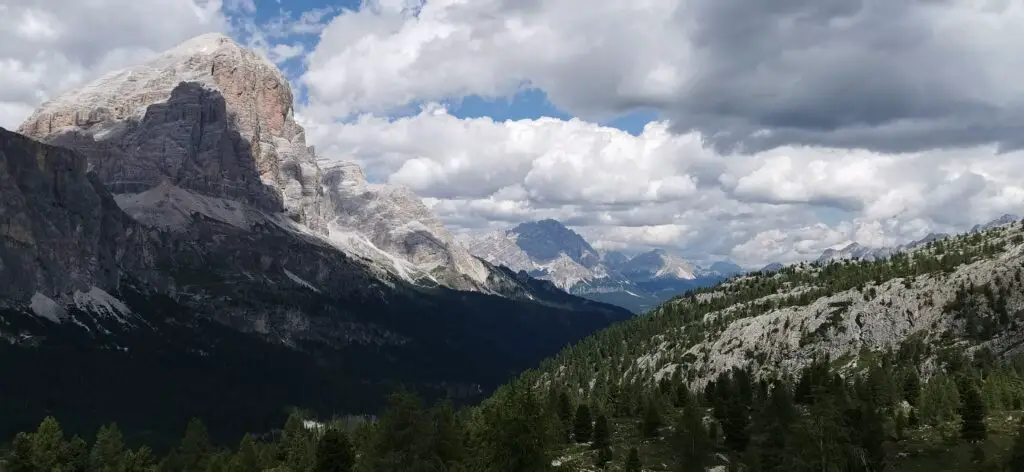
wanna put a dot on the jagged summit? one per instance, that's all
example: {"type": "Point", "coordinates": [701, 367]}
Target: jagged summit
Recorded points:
{"type": "Point", "coordinates": [548, 250]}
{"type": "Point", "coordinates": [396, 221]}
{"type": "Point", "coordinates": [208, 115]}
{"type": "Point", "coordinates": [208, 123]}
{"type": "Point", "coordinates": [659, 263]}
{"type": "Point", "coordinates": [548, 239]}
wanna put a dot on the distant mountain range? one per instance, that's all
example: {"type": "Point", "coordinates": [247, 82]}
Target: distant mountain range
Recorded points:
{"type": "Point", "coordinates": [548, 250]}
{"type": "Point", "coordinates": [860, 252]}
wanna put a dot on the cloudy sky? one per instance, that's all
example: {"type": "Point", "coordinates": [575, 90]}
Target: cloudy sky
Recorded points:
{"type": "Point", "coordinates": [752, 130]}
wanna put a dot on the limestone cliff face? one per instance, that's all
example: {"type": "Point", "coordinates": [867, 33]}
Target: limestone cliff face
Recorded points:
{"type": "Point", "coordinates": [395, 220]}
{"type": "Point", "coordinates": [60, 231]}
{"type": "Point", "coordinates": [208, 116]}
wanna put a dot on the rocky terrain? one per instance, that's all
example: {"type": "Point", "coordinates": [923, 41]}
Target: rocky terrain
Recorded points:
{"type": "Point", "coordinates": [167, 226]}
{"type": "Point", "coordinates": [960, 292]}
{"type": "Point", "coordinates": [548, 250]}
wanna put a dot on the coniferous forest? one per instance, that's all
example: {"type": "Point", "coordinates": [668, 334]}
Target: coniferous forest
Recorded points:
{"type": "Point", "coordinates": [889, 418]}
{"type": "Point", "coordinates": [937, 401]}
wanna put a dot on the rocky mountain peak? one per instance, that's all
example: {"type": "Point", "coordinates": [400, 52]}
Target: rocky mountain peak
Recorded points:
{"type": "Point", "coordinates": [548, 239]}
{"type": "Point", "coordinates": [343, 173]}
{"type": "Point", "coordinates": [393, 219]}
{"type": "Point", "coordinates": [659, 263]}
{"type": "Point", "coordinates": [208, 115]}
{"type": "Point", "coordinates": [726, 268]}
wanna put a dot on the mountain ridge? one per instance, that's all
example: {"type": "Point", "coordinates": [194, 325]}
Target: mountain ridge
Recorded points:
{"type": "Point", "coordinates": [167, 214]}
{"type": "Point", "coordinates": [548, 250]}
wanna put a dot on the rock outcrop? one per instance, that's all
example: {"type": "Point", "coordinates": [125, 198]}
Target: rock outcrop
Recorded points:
{"type": "Point", "coordinates": [60, 231]}
{"type": "Point", "coordinates": [396, 221]}
{"type": "Point", "coordinates": [207, 127]}
{"type": "Point", "coordinates": [208, 116]}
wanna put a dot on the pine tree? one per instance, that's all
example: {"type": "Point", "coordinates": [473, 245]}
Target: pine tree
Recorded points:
{"type": "Point", "coordinates": [912, 387]}
{"type": "Point", "coordinates": [872, 434]}
{"type": "Point", "coordinates": [601, 433]}
{"type": "Point", "coordinates": [445, 442]}
{"type": "Point", "coordinates": [564, 409]}
{"type": "Point", "coordinates": [972, 428]}
{"type": "Point", "coordinates": [400, 435]}
{"type": "Point", "coordinates": [604, 456]}
{"type": "Point", "coordinates": [770, 430]}
{"type": "Point", "coordinates": [633, 461]}
{"type": "Point", "coordinates": [48, 445]}
{"type": "Point", "coordinates": [1015, 463]}
{"type": "Point", "coordinates": [75, 456]}
{"type": "Point", "coordinates": [582, 424]}
{"type": "Point", "coordinates": [691, 441]}
{"type": "Point", "coordinates": [512, 432]}
{"type": "Point", "coordinates": [651, 420]}
{"type": "Point", "coordinates": [107, 453]}
{"type": "Point", "coordinates": [140, 460]}
{"type": "Point", "coordinates": [195, 449]}
{"type": "Point", "coordinates": [334, 452]}
{"type": "Point", "coordinates": [20, 456]}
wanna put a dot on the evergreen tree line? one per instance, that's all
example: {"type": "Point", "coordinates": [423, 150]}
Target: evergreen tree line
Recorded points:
{"type": "Point", "coordinates": [818, 420]}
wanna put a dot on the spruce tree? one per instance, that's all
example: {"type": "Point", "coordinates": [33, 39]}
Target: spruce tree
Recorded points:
{"type": "Point", "coordinates": [582, 424]}
{"type": "Point", "coordinates": [912, 387]}
{"type": "Point", "coordinates": [20, 457]}
{"type": "Point", "coordinates": [48, 445]}
{"type": "Point", "coordinates": [400, 435]}
{"type": "Point", "coordinates": [633, 461]}
{"type": "Point", "coordinates": [565, 414]}
{"type": "Point", "coordinates": [601, 433]}
{"type": "Point", "coordinates": [651, 420]}
{"type": "Point", "coordinates": [195, 449]}
{"type": "Point", "coordinates": [511, 432]}
{"type": "Point", "coordinates": [75, 457]}
{"type": "Point", "coordinates": [445, 443]}
{"type": "Point", "coordinates": [247, 458]}
{"type": "Point", "coordinates": [297, 444]}
{"type": "Point", "coordinates": [1015, 463]}
{"type": "Point", "coordinates": [334, 452]}
{"type": "Point", "coordinates": [691, 441]}
{"type": "Point", "coordinates": [107, 453]}
{"type": "Point", "coordinates": [140, 460]}
{"type": "Point", "coordinates": [770, 430]}
{"type": "Point", "coordinates": [972, 414]}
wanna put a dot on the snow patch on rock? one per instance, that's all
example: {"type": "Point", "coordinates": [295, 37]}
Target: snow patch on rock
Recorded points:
{"type": "Point", "coordinates": [44, 307]}
{"type": "Point", "coordinates": [102, 303]}
{"type": "Point", "coordinates": [300, 281]}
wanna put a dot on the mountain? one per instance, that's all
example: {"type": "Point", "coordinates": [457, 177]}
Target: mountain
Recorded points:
{"type": "Point", "coordinates": [857, 251]}
{"type": "Point", "coordinates": [901, 335]}
{"type": "Point", "coordinates": [548, 250]}
{"type": "Point", "coordinates": [726, 268]}
{"type": "Point", "coordinates": [1001, 221]}
{"type": "Point", "coordinates": [658, 264]}
{"type": "Point", "coordinates": [170, 247]}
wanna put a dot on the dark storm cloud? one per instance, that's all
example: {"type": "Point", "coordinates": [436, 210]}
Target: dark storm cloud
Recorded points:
{"type": "Point", "coordinates": [874, 74]}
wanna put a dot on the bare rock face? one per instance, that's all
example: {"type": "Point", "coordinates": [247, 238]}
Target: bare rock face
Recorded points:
{"type": "Point", "coordinates": [208, 116]}
{"type": "Point", "coordinates": [395, 220]}
{"type": "Point", "coordinates": [60, 231]}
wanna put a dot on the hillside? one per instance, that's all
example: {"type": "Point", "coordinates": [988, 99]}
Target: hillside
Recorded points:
{"type": "Point", "coordinates": [911, 363]}
{"type": "Point", "coordinates": [781, 321]}
{"type": "Point", "coordinates": [948, 312]}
